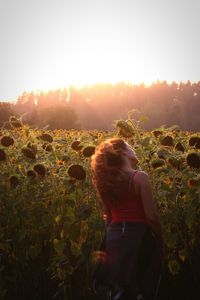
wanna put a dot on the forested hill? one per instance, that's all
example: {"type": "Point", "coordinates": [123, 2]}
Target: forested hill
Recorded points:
{"type": "Point", "coordinates": [97, 106]}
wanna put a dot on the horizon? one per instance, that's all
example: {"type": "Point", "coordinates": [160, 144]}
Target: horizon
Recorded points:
{"type": "Point", "coordinates": [47, 45]}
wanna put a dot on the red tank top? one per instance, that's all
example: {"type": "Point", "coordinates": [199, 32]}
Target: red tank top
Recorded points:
{"type": "Point", "coordinates": [130, 208]}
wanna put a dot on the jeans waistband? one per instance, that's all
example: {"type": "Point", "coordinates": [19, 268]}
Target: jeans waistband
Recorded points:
{"type": "Point", "coordinates": [121, 224]}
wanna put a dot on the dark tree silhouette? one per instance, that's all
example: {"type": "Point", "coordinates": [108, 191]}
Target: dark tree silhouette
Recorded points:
{"type": "Point", "coordinates": [60, 117]}
{"type": "Point", "coordinates": [6, 111]}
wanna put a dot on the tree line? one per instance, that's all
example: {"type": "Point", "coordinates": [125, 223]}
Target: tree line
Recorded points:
{"type": "Point", "coordinates": [97, 106]}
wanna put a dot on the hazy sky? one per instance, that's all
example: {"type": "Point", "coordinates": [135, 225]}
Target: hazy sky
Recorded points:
{"type": "Point", "coordinates": [48, 44]}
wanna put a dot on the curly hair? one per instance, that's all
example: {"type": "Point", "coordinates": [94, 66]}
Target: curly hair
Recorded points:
{"type": "Point", "coordinates": [108, 178]}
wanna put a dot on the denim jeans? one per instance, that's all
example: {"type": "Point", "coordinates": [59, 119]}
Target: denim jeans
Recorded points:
{"type": "Point", "coordinates": [121, 230]}
{"type": "Point", "coordinates": [133, 265]}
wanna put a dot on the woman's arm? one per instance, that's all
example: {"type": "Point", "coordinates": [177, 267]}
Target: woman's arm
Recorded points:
{"type": "Point", "coordinates": [145, 191]}
{"type": "Point", "coordinates": [107, 215]}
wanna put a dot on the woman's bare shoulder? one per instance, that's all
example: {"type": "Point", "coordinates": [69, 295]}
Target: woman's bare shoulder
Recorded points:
{"type": "Point", "coordinates": [141, 177]}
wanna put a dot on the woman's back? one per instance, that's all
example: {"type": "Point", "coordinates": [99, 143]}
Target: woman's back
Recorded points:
{"type": "Point", "coordinates": [131, 263]}
{"type": "Point", "coordinates": [129, 208]}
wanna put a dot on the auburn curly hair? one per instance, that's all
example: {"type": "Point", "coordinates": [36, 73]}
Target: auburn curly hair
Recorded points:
{"type": "Point", "coordinates": [108, 178]}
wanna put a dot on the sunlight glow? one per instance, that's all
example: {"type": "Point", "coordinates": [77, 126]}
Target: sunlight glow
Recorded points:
{"type": "Point", "coordinates": [53, 44]}
{"type": "Point", "coordinates": [92, 56]}
{"type": "Point", "coordinates": [87, 63]}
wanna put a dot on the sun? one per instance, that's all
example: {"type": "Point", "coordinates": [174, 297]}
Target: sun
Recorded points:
{"type": "Point", "coordinates": [91, 59]}
{"type": "Point", "coordinates": [86, 57]}
{"type": "Point", "coordinates": [89, 66]}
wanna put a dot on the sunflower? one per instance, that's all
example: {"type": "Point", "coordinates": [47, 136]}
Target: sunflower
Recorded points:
{"type": "Point", "coordinates": [2, 155]}
{"type": "Point", "coordinates": [156, 133]}
{"type": "Point", "coordinates": [32, 147]}
{"type": "Point", "coordinates": [179, 147]}
{"type": "Point", "coordinates": [13, 119]}
{"type": "Point", "coordinates": [162, 153]}
{"type": "Point", "coordinates": [193, 160]}
{"type": "Point", "coordinates": [16, 124]}
{"type": "Point", "coordinates": [40, 169]}
{"type": "Point", "coordinates": [77, 172]}
{"type": "Point", "coordinates": [46, 137]}
{"type": "Point", "coordinates": [167, 140]}
{"type": "Point", "coordinates": [157, 162]}
{"type": "Point", "coordinates": [174, 162]}
{"type": "Point", "coordinates": [194, 141]}
{"type": "Point", "coordinates": [28, 153]}
{"type": "Point", "coordinates": [7, 141]}
{"type": "Point", "coordinates": [193, 182]}
{"type": "Point", "coordinates": [31, 173]}
{"type": "Point", "coordinates": [47, 147]}
{"type": "Point", "coordinates": [125, 129]}
{"type": "Point", "coordinates": [65, 158]}
{"type": "Point", "coordinates": [88, 151]}
{"type": "Point", "coordinates": [60, 162]}
{"type": "Point", "coordinates": [14, 181]}
{"type": "Point", "coordinates": [76, 145]}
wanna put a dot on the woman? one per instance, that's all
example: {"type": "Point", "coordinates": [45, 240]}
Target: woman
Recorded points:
{"type": "Point", "coordinates": [133, 245]}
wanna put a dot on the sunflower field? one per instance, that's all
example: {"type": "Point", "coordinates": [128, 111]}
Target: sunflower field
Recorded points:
{"type": "Point", "coordinates": [51, 223]}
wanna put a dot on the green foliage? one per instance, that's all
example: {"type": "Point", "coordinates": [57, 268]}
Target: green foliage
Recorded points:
{"type": "Point", "coordinates": [51, 222]}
